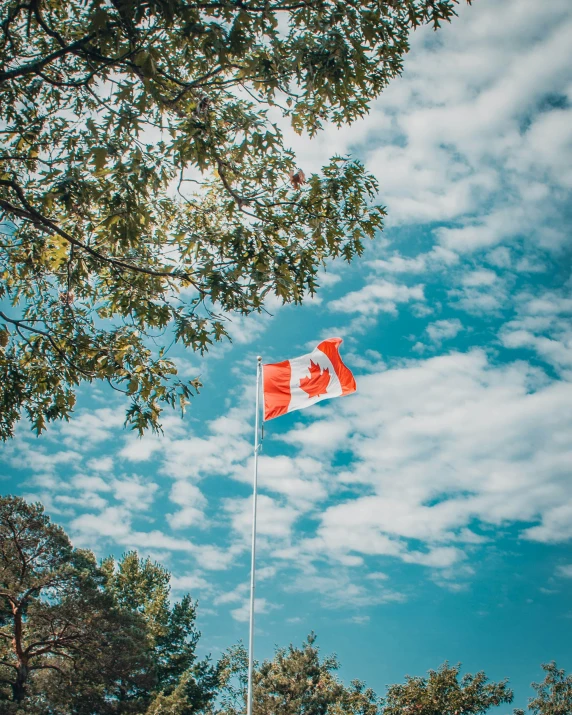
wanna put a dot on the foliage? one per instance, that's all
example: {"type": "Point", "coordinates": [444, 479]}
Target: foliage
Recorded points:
{"type": "Point", "coordinates": [553, 695]}
{"type": "Point", "coordinates": [177, 702]}
{"type": "Point", "coordinates": [296, 682]}
{"type": "Point", "coordinates": [60, 629]}
{"type": "Point", "coordinates": [442, 693]}
{"type": "Point", "coordinates": [143, 587]}
{"type": "Point", "coordinates": [78, 639]}
{"type": "Point", "coordinates": [146, 192]}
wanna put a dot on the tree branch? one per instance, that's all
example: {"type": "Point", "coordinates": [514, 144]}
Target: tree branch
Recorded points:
{"type": "Point", "coordinates": [37, 65]}
{"type": "Point", "coordinates": [45, 666]}
{"type": "Point", "coordinates": [8, 665]}
{"type": "Point", "coordinates": [45, 223]}
{"type": "Point", "coordinates": [19, 324]}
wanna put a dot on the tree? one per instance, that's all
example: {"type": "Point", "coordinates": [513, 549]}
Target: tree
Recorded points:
{"type": "Point", "coordinates": [442, 693]}
{"type": "Point", "coordinates": [145, 194]}
{"type": "Point", "coordinates": [143, 587]}
{"type": "Point", "coordinates": [177, 702]}
{"type": "Point", "coordinates": [59, 627]}
{"type": "Point", "coordinates": [77, 639]}
{"type": "Point", "coordinates": [296, 682]}
{"type": "Point", "coordinates": [553, 695]}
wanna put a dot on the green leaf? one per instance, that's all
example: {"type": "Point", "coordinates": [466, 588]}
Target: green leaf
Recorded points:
{"type": "Point", "coordinates": [99, 157]}
{"type": "Point", "coordinates": [165, 188]}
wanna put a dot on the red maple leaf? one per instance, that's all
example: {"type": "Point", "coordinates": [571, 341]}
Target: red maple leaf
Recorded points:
{"type": "Point", "coordinates": [317, 383]}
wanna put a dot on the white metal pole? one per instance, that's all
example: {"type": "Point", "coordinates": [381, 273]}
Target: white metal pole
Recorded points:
{"type": "Point", "coordinates": [253, 552]}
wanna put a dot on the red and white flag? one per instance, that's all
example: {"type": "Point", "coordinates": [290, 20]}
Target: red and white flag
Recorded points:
{"type": "Point", "coordinates": [294, 384]}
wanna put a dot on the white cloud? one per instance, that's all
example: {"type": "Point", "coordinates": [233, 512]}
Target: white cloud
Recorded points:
{"type": "Point", "coordinates": [556, 525]}
{"type": "Point", "coordinates": [215, 453]}
{"type": "Point", "coordinates": [113, 522]}
{"type": "Point", "coordinates": [135, 492]}
{"type": "Point", "coordinates": [215, 558]}
{"type": "Point", "coordinates": [299, 479]}
{"type": "Point", "coordinates": [500, 257]}
{"type": "Point", "coordinates": [542, 326]}
{"type": "Point", "coordinates": [438, 258]}
{"type": "Point", "coordinates": [368, 361]}
{"type": "Point", "coordinates": [564, 570]}
{"type": "Point", "coordinates": [361, 620]}
{"type": "Point", "coordinates": [92, 427]}
{"type": "Point", "coordinates": [458, 135]}
{"type": "Point", "coordinates": [190, 583]}
{"type": "Point", "coordinates": [479, 278]}
{"type": "Point", "coordinates": [266, 572]}
{"type": "Point", "coordinates": [439, 445]}
{"type": "Point", "coordinates": [101, 464]}
{"type": "Point", "coordinates": [443, 330]}
{"type": "Point", "coordinates": [234, 596]}
{"type": "Point", "coordinates": [482, 154]}
{"type": "Point", "coordinates": [187, 369]}
{"type": "Point", "coordinates": [193, 503]}
{"type": "Point", "coordinates": [261, 605]}
{"type": "Point", "coordinates": [187, 494]}
{"type": "Point", "coordinates": [338, 589]}
{"type": "Point", "coordinates": [377, 297]}
{"type": "Point", "coordinates": [86, 483]}
{"type": "Point", "coordinates": [273, 519]}
{"type": "Point", "coordinates": [327, 279]}
{"type": "Point", "coordinates": [85, 501]}
{"type": "Point", "coordinates": [186, 517]}
{"type": "Point", "coordinates": [478, 297]}
{"type": "Point", "coordinates": [21, 454]}
{"type": "Point", "coordinates": [141, 449]}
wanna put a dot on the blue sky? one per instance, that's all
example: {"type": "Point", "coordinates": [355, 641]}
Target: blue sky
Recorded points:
{"type": "Point", "coordinates": [429, 516]}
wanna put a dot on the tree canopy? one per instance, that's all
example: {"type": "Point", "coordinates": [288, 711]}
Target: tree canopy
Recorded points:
{"type": "Point", "coordinates": [146, 193]}
{"type": "Point", "coordinates": [297, 681]}
{"type": "Point", "coordinates": [553, 694]}
{"type": "Point", "coordinates": [78, 638]}
{"type": "Point", "coordinates": [444, 692]}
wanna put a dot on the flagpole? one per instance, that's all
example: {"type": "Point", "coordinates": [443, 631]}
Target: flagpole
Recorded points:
{"type": "Point", "coordinates": [253, 551]}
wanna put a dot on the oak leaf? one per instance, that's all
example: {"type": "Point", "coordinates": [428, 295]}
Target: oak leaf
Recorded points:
{"type": "Point", "coordinates": [297, 178]}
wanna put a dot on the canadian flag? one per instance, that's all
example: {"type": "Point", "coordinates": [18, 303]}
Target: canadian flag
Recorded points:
{"type": "Point", "coordinates": [294, 384]}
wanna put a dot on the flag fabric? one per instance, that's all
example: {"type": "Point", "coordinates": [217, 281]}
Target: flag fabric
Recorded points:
{"type": "Point", "coordinates": [294, 384]}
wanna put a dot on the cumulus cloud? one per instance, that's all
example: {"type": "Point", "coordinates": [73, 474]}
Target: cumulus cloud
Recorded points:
{"type": "Point", "coordinates": [91, 426]}
{"type": "Point", "coordinates": [273, 519]}
{"type": "Point", "coordinates": [261, 605]}
{"type": "Point", "coordinates": [135, 492]}
{"type": "Point", "coordinates": [432, 456]}
{"type": "Point", "coordinates": [190, 583]}
{"type": "Point", "coordinates": [113, 525]}
{"type": "Point", "coordinates": [542, 325]}
{"type": "Point", "coordinates": [564, 570]}
{"type": "Point", "coordinates": [377, 297]}
{"type": "Point", "coordinates": [193, 502]}
{"type": "Point", "coordinates": [444, 447]}
{"type": "Point", "coordinates": [437, 259]}
{"type": "Point", "coordinates": [20, 453]}
{"type": "Point", "coordinates": [340, 590]}
{"type": "Point", "coordinates": [442, 330]}
{"type": "Point", "coordinates": [482, 156]}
